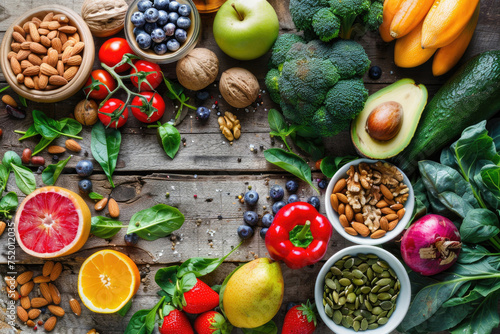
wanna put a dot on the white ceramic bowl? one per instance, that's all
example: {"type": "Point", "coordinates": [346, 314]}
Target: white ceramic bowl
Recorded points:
{"type": "Point", "coordinates": [334, 216]}
{"type": "Point", "coordinates": [402, 302]}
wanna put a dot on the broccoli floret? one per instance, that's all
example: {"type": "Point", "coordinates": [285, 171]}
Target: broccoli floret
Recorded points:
{"type": "Point", "coordinates": [346, 99]}
{"type": "Point", "coordinates": [302, 12]}
{"type": "Point", "coordinates": [326, 124]}
{"type": "Point", "coordinates": [325, 24]}
{"type": "Point", "coordinates": [272, 84]}
{"type": "Point", "coordinates": [282, 46]}
{"type": "Point", "coordinates": [347, 11]}
{"type": "Point", "coordinates": [350, 58]}
{"type": "Point", "coordinates": [373, 18]}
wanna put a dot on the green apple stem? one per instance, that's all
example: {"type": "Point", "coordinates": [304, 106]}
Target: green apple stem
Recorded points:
{"type": "Point", "coordinates": [239, 15]}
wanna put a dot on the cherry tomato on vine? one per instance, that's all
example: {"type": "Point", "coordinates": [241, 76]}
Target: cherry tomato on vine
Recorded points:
{"type": "Point", "coordinates": [108, 113]}
{"type": "Point", "coordinates": [154, 79]}
{"type": "Point", "coordinates": [99, 92]}
{"type": "Point", "coordinates": [112, 51]}
{"type": "Point", "coordinates": [142, 113]}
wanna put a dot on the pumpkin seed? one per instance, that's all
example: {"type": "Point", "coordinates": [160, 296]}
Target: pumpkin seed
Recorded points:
{"type": "Point", "coordinates": [373, 297]}
{"type": "Point", "coordinates": [345, 310]}
{"type": "Point", "coordinates": [386, 305]}
{"type": "Point", "coordinates": [378, 269]}
{"type": "Point", "coordinates": [383, 264]}
{"type": "Point", "coordinates": [356, 325]}
{"type": "Point", "coordinates": [376, 288]}
{"type": "Point", "coordinates": [349, 263]}
{"type": "Point", "coordinates": [344, 281]}
{"type": "Point", "coordinates": [384, 281]}
{"type": "Point", "coordinates": [358, 318]}
{"type": "Point", "coordinates": [329, 275]}
{"type": "Point", "coordinates": [385, 274]}
{"type": "Point", "coordinates": [342, 300]}
{"type": "Point", "coordinates": [385, 288]}
{"type": "Point", "coordinates": [330, 283]}
{"type": "Point", "coordinates": [393, 273]}
{"type": "Point", "coordinates": [377, 310]}
{"type": "Point", "coordinates": [368, 306]}
{"type": "Point", "coordinates": [390, 312]}
{"type": "Point", "coordinates": [372, 326]}
{"type": "Point", "coordinates": [363, 267]}
{"type": "Point", "coordinates": [351, 297]}
{"type": "Point", "coordinates": [337, 317]}
{"type": "Point", "coordinates": [346, 257]}
{"type": "Point", "coordinates": [328, 311]}
{"type": "Point", "coordinates": [349, 289]}
{"type": "Point", "coordinates": [369, 273]}
{"type": "Point", "coordinates": [335, 271]}
{"type": "Point", "coordinates": [358, 281]}
{"type": "Point", "coordinates": [335, 296]}
{"type": "Point", "coordinates": [382, 321]}
{"type": "Point", "coordinates": [358, 273]}
{"type": "Point", "coordinates": [372, 256]}
{"type": "Point", "coordinates": [364, 324]}
{"type": "Point", "coordinates": [365, 290]}
{"type": "Point", "coordinates": [384, 296]}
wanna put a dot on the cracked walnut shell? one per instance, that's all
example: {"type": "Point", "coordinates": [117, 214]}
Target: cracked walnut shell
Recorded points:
{"type": "Point", "coordinates": [239, 87]}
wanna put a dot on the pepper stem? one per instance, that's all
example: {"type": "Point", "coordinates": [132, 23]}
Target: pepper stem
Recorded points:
{"type": "Point", "coordinates": [302, 234]}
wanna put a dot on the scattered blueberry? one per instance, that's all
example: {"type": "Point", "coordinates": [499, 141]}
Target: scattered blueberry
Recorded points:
{"type": "Point", "coordinates": [184, 22]}
{"type": "Point", "coordinates": [292, 186]}
{"type": "Point", "coordinates": [162, 18]}
{"type": "Point", "coordinates": [169, 29]}
{"type": "Point", "coordinates": [251, 218]}
{"type": "Point", "coordinates": [85, 186]}
{"type": "Point", "coordinates": [173, 17]}
{"type": "Point", "coordinates": [202, 95]}
{"type": "Point", "coordinates": [151, 15]}
{"type": "Point", "coordinates": [267, 219]}
{"type": "Point", "coordinates": [161, 4]}
{"type": "Point", "coordinates": [322, 184]}
{"type": "Point", "coordinates": [290, 305]}
{"type": "Point", "coordinates": [375, 72]}
{"type": "Point", "coordinates": [277, 206]}
{"type": "Point", "coordinates": [276, 192]}
{"type": "Point", "coordinates": [144, 41]}
{"type": "Point", "coordinates": [292, 198]}
{"type": "Point", "coordinates": [251, 197]}
{"type": "Point", "coordinates": [263, 232]}
{"type": "Point", "coordinates": [314, 201]}
{"type": "Point", "coordinates": [245, 231]}
{"type": "Point", "coordinates": [137, 19]}
{"type": "Point", "coordinates": [43, 309]}
{"type": "Point", "coordinates": [131, 239]}
{"type": "Point", "coordinates": [173, 45]}
{"type": "Point", "coordinates": [144, 5]}
{"type": "Point", "coordinates": [149, 27]}
{"type": "Point", "coordinates": [184, 10]}
{"type": "Point", "coordinates": [173, 6]}
{"type": "Point", "coordinates": [202, 113]}
{"type": "Point", "coordinates": [84, 168]}
{"type": "Point", "coordinates": [160, 48]}
{"type": "Point", "coordinates": [158, 35]}
{"type": "Point", "coordinates": [55, 158]}
{"type": "Point", "coordinates": [181, 35]}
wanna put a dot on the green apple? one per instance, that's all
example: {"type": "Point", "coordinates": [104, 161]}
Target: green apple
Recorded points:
{"type": "Point", "coordinates": [246, 29]}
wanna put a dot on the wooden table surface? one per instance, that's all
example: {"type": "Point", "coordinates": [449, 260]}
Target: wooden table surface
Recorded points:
{"type": "Point", "coordinates": [207, 166]}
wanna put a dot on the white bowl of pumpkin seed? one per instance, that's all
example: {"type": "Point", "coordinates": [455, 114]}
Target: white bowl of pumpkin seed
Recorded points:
{"type": "Point", "coordinates": [362, 289]}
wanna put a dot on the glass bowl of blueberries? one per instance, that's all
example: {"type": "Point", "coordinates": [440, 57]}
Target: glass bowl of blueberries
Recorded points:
{"type": "Point", "coordinates": [162, 31]}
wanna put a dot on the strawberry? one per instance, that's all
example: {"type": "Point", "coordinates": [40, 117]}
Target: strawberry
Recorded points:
{"type": "Point", "coordinates": [300, 319]}
{"type": "Point", "coordinates": [212, 322]}
{"type": "Point", "coordinates": [200, 298]}
{"type": "Point", "coordinates": [175, 322]}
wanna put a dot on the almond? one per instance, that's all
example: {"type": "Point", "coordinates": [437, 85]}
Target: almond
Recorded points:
{"type": "Point", "coordinates": [45, 25]}
{"type": "Point", "coordinates": [349, 213]}
{"type": "Point", "coordinates": [56, 310]}
{"type": "Point", "coordinates": [68, 29]}
{"type": "Point", "coordinates": [378, 234]}
{"type": "Point", "coordinates": [52, 35]}
{"type": "Point", "coordinates": [54, 25]}
{"type": "Point", "coordinates": [397, 207]}
{"type": "Point", "coordinates": [54, 293]}
{"type": "Point", "coordinates": [39, 302]}
{"type": "Point", "coordinates": [386, 192]}
{"type": "Point", "coordinates": [401, 213]}
{"type": "Point", "coordinates": [43, 32]}
{"type": "Point", "coordinates": [30, 323]}
{"type": "Point", "coordinates": [381, 204]}
{"type": "Point", "coordinates": [48, 70]}
{"type": "Point", "coordinates": [14, 64]}
{"type": "Point", "coordinates": [393, 224]}
{"type": "Point", "coordinates": [35, 36]}
{"type": "Point", "coordinates": [72, 145]}
{"type": "Point", "coordinates": [18, 37]}
{"type": "Point", "coordinates": [45, 291]}
{"type": "Point", "coordinates": [36, 21]}
{"type": "Point", "coordinates": [343, 221]}
{"type": "Point", "coordinates": [75, 306]}
{"type": "Point", "coordinates": [25, 302]}
{"type": "Point", "coordinates": [38, 48]}
{"type": "Point", "coordinates": [57, 80]}
{"type": "Point", "coordinates": [350, 230]}
{"type": "Point", "coordinates": [57, 45]}
{"type": "Point", "coordinates": [25, 64]}
{"type": "Point", "coordinates": [342, 198]}
{"type": "Point", "coordinates": [68, 44]}
{"type": "Point", "coordinates": [52, 58]}
{"type": "Point", "coordinates": [92, 331]}
{"type": "Point", "coordinates": [75, 37]}
{"type": "Point", "coordinates": [391, 217]}
{"type": "Point", "coordinates": [77, 48]}
{"type": "Point", "coordinates": [35, 81]}
{"type": "Point", "coordinates": [47, 268]}
{"type": "Point", "coordinates": [34, 313]}
{"type": "Point", "coordinates": [387, 211]}
{"type": "Point", "coordinates": [43, 81]}
{"type": "Point", "coordinates": [60, 67]}
{"type": "Point", "coordinates": [334, 202]}
{"type": "Point", "coordinates": [339, 186]}
{"type": "Point", "coordinates": [25, 45]}
{"type": "Point", "coordinates": [34, 59]}
{"type": "Point", "coordinates": [11, 54]}
{"type": "Point", "coordinates": [362, 229]}
{"type": "Point", "coordinates": [24, 277]}
{"type": "Point", "coordinates": [384, 224]}
{"type": "Point", "coordinates": [22, 54]}
{"type": "Point", "coordinates": [101, 204]}
{"type": "Point", "coordinates": [45, 41]}
{"type": "Point", "coordinates": [13, 294]}
{"type": "Point", "coordinates": [48, 17]}
{"type": "Point", "coordinates": [54, 149]}
{"type": "Point", "coordinates": [61, 18]}
{"type": "Point", "coordinates": [26, 27]}
{"type": "Point", "coordinates": [66, 54]}
{"type": "Point", "coordinates": [31, 71]}
{"type": "Point", "coordinates": [20, 78]}
{"type": "Point", "coordinates": [56, 271]}
{"type": "Point", "coordinates": [10, 281]}
{"type": "Point", "coordinates": [74, 60]}
{"type": "Point", "coordinates": [51, 322]}
{"type": "Point", "coordinates": [341, 208]}
{"type": "Point", "coordinates": [41, 279]}
{"type": "Point", "coordinates": [22, 314]}
{"type": "Point", "coordinates": [114, 210]}
{"type": "Point", "coordinates": [9, 100]}
{"type": "Point", "coordinates": [19, 30]}
{"type": "Point", "coordinates": [70, 73]}
{"type": "Point", "coordinates": [28, 82]}
{"type": "Point", "coordinates": [63, 37]}
{"type": "Point", "coordinates": [15, 47]}
{"type": "Point", "coordinates": [359, 218]}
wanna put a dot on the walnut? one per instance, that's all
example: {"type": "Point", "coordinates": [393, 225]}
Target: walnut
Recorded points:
{"type": "Point", "coordinates": [104, 17]}
{"type": "Point", "coordinates": [230, 126]}
{"type": "Point", "coordinates": [389, 174]}
{"type": "Point", "coordinates": [366, 174]}
{"type": "Point", "coordinates": [239, 87]}
{"type": "Point", "coordinates": [353, 181]}
{"type": "Point", "coordinates": [198, 69]}
{"type": "Point", "coordinates": [356, 200]}
{"type": "Point", "coordinates": [372, 215]}
{"type": "Point", "coordinates": [375, 195]}
{"type": "Point", "coordinates": [401, 198]}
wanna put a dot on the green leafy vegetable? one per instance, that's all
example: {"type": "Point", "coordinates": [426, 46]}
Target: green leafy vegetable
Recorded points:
{"type": "Point", "coordinates": [137, 324]}
{"type": "Point", "coordinates": [124, 310]}
{"type": "Point", "coordinates": [479, 225]}
{"type": "Point", "coordinates": [105, 146]}
{"type": "Point", "coordinates": [330, 165]}
{"type": "Point", "coordinates": [52, 172]}
{"type": "Point", "coordinates": [25, 180]}
{"type": "Point", "coordinates": [175, 92]}
{"type": "Point", "coordinates": [170, 139]}
{"type": "Point", "coordinates": [156, 222]}
{"type": "Point", "coordinates": [166, 278]}
{"type": "Point", "coordinates": [104, 227]}
{"type": "Point", "coordinates": [23, 100]}
{"type": "Point", "coordinates": [11, 157]}
{"type": "Point", "coordinates": [95, 196]}
{"type": "Point", "coordinates": [267, 328]}
{"type": "Point", "coordinates": [8, 204]}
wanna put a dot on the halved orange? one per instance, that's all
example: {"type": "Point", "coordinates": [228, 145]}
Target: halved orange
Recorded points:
{"type": "Point", "coordinates": [107, 281]}
{"type": "Point", "coordinates": [52, 222]}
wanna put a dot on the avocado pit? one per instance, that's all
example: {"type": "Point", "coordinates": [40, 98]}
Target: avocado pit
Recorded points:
{"type": "Point", "coordinates": [384, 121]}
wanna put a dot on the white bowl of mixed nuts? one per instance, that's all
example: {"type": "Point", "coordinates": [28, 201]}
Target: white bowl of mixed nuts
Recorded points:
{"type": "Point", "coordinates": [369, 202]}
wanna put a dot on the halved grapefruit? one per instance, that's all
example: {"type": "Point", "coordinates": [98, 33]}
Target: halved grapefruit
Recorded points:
{"type": "Point", "coordinates": [107, 281]}
{"type": "Point", "coordinates": [52, 222]}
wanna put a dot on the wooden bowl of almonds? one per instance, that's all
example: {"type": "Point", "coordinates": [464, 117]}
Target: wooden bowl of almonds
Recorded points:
{"type": "Point", "coordinates": [47, 54]}
{"type": "Point", "coordinates": [369, 202]}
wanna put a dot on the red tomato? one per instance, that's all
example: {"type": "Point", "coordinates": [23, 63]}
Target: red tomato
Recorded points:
{"type": "Point", "coordinates": [112, 51]}
{"type": "Point", "coordinates": [106, 112]}
{"type": "Point", "coordinates": [317, 165]}
{"type": "Point", "coordinates": [142, 115]}
{"type": "Point", "coordinates": [99, 92]}
{"type": "Point", "coordinates": [154, 79]}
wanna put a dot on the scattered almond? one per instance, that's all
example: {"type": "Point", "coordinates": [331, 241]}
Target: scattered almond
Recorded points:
{"type": "Point", "coordinates": [50, 324]}
{"type": "Point", "coordinates": [35, 36]}
{"type": "Point", "coordinates": [381, 204]}
{"type": "Point", "coordinates": [39, 302]}
{"type": "Point", "coordinates": [92, 331]}
{"type": "Point", "coordinates": [13, 294]}
{"type": "Point", "coordinates": [341, 208]}
{"type": "Point", "coordinates": [9, 100]}
{"type": "Point", "coordinates": [10, 281]}
{"type": "Point", "coordinates": [14, 64]}
{"type": "Point", "coordinates": [2, 227]}
{"type": "Point", "coordinates": [359, 218]}
{"type": "Point", "coordinates": [30, 323]}
{"type": "Point", "coordinates": [70, 73]}
{"type": "Point", "coordinates": [74, 60]}
{"type": "Point", "coordinates": [54, 149]}
{"type": "Point", "coordinates": [47, 268]}
{"type": "Point", "coordinates": [25, 302]}
{"type": "Point", "coordinates": [75, 306]}
{"type": "Point", "coordinates": [22, 314]}
{"type": "Point", "coordinates": [72, 145]}
{"type": "Point", "coordinates": [54, 293]}
{"type": "Point", "coordinates": [397, 207]}
{"type": "Point", "coordinates": [56, 271]}
{"type": "Point", "coordinates": [18, 37]}
{"type": "Point", "coordinates": [114, 210]}
{"type": "Point", "coordinates": [24, 277]}
{"type": "Point", "coordinates": [392, 217]}
{"type": "Point", "coordinates": [34, 59]}
{"type": "Point", "coordinates": [77, 48]}
{"type": "Point", "coordinates": [37, 48]}
{"type": "Point", "coordinates": [349, 213]}
{"type": "Point", "coordinates": [57, 45]}
{"type": "Point", "coordinates": [56, 310]}
{"type": "Point", "coordinates": [41, 279]}
{"type": "Point", "coordinates": [67, 29]}
{"type": "Point", "coordinates": [45, 291]}
{"type": "Point", "coordinates": [386, 192]}
{"type": "Point", "coordinates": [28, 82]}
{"type": "Point", "coordinates": [31, 71]}
{"type": "Point", "coordinates": [19, 30]}
{"type": "Point", "coordinates": [101, 204]}
{"type": "Point", "coordinates": [387, 211]}
{"type": "Point", "coordinates": [34, 313]}
{"type": "Point", "coordinates": [343, 221]}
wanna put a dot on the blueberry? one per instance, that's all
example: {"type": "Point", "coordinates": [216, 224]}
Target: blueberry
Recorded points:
{"type": "Point", "coordinates": [137, 19]}
{"type": "Point", "coordinates": [263, 232]}
{"type": "Point", "coordinates": [151, 15]}
{"type": "Point", "coordinates": [292, 198]}
{"type": "Point", "coordinates": [251, 218]}
{"type": "Point", "coordinates": [158, 35]}
{"type": "Point", "coordinates": [43, 309]}
{"type": "Point", "coordinates": [55, 158]}
{"type": "Point", "coordinates": [160, 48]}
{"type": "Point", "coordinates": [143, 40]}
{"type": "Point", "coordinates": [245, 231]}
{"type": "Point", "coordinates": [322, 184]}
{"type": "Point", "coordinates": [131, 239]}
{"type": "Point", "coordinates": [173, 6]}
{"type": "Point", "coordinates": [202, 113]}
{"type": "Point", "coordinates": [161, 4]}
{"type": "Point", "coordinates": [375, 72]}
{"type": "Point", "coordinates": [184, 10]}
{"type": "Point", "coordinates": [290, 305]}
{"type": "Point", "coordinates": [84, 168]}
{"type": "Point", "coordinates": [162, 18]}
{"type": "Point", "coordinates": [149, 27]}
{"type": "Point", "coordinates": [169, 29]}
{"type": "Point", "coordinates": [251, 197]}
{"type": "Point", "coordinates": [314, 201]}
{"type": "Point", "coordinates": [173, 45]}
{"type": "Point", "coordinates": [143, 5]}
{"type": "Point", "coordinates": [180, 35]}
{"type": "Point", "coordinates": [267, 219]}
{"type": "Point", "coordinates": [139, 30]}
{"type": "Point", "coordinates": [85, 186]}
{"type": "Point", "coordinates": [172, 17]}
{"type": "Point", "coordinates": [183, 22]}
{"type": "Point", "coordinates": [202, 95]}
{"type": "Point", "coordinates": [292, 186]}
{"type": "Point", "coordinates": [277, 206]}
{"type": "Point", "coordinates": [276, 192]}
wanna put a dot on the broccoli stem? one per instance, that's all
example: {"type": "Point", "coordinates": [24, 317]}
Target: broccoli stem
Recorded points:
{"type": "Point", "coordinates": [346, 26]}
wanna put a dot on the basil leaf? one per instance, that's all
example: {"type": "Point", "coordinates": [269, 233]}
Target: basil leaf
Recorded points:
{"type": "Point", "coordinates": [9, 202]}
{"type": "Point", "coordinates": [223, 288]}
{"type": "Point", "coordinates": [151, 316]}
{"type": "Point", "coordinates": [70, 126]}
{"type": "Point", "coordinates": [123, 311]}
{"type": "Point", "coordinates": [267, 328]}
{"type": "Point", "coordinates": [276, 121]}
{"type": "Point", "coordinates": [104, 227]}
{"type": "Point", "coordinates": [137, 324]}
{"type": "Point", "coordinates": [4, 177]}
{"type": "Point", "coordinates": [156, 222]}
{"type": "Point", "coordinates": [170, 139]}
{"type": "Point", "coordinates": [11, 157]}
{"type": "Point", "coordinates": [25, 179]}
{"type": "Point", "coordinates": [31, 132]}
{"type": "Point", "coordinates": [479, 225]}
{"type": "Point", "coordinates": [105, 146]}
{"type": "Point", "coordinates": [43, 143]}
{"type": "Point", "coordinates": [45, 126]}
{"type": "Point", "coordinates": [330, 165]}
{"type": "Point", "coordinates": [311, 145]}
{"type": "Point", "coordinates": [183, 285]}
{"type": "Point", "coordinates": [290, 162]}
{"type": "Point", "coordinates": [95, 196]}
{"type": "Point", "coordinates": [52, 172]}
{"type": "Point", "coordinates": [166, 278]}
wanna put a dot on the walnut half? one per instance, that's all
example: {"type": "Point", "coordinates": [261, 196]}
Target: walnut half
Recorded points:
{"type": "Point", "coordinates": [230, 126]}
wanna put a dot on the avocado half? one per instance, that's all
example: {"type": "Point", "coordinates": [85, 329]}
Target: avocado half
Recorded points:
{"type": "Point", "coordinates": [412, 99]}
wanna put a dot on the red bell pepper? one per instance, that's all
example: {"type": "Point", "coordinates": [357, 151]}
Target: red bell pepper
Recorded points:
{"type": "Point", "coordinates": [299, 235]}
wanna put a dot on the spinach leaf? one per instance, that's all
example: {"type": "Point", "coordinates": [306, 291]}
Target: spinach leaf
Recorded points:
{"type": "Point", "coordinates": [479, 225]}
{"type": "Point", "coordinates": [69, 126]}
{"type": "Point", "coordinates": [123, 311]}
{"type": "Point", "coordinates": [223, 288]}
{"type": "Point", "coordinates": [444, 318]}
{"type": "Point", "coordinates": [151, 316]}
{"type": "Point", "coordinates": [4, 177]}
{"type": "Point", "coordinates": [96, 196]}
{"type": "Point", "coordinates": [31, 132]}
{"type": "Point", "coordinates": [490, 175]}
{"type": "Point", "coordinates": [104, 227]}
{"type": "Point", "coordinates": [184, 284]}
{"type": "Point", "coordinates": [447, 158]}
{"type": "Point", "coordinates": [276, 121]}
{"type": "Point", "coordinates": [493, 127]}
{"type": "Point", "coordinates": [484, 319]}
{"type": "Point", "coordinates": [156, 222]}
{"type": "Point", "coordinates": [45, 126]}
{"type": "Point", "coordinates": [472, 253]}
{"type": "Point", "coordinates": [52, 172]}
{"type": "Point", "coordinates": [170, 139]}
{"type": "Point", "coordinates": [312, 145]}
{"type": "Point", "coordinates": [25, 179]}
{"type": "Point", "coordinates": [11, 157]}
{"type": "Point", "coordinates": [23, 100]}
{"type": "Point", "coordinates": [290, 162]}
{"type": "Point", "coordinates": [166, 278]}
{"type": "Point", "coordinates": [137, 324]}
{"type": "Point", "coordinates": [105, 146]}
{"type": "Point", "coordinates": [8, 203]}
{"type": "Point", "coordinates": [468, 298]}
{"type": "Point", "coordinates": [489, 195]}
{"type": "Point", "coordinates": [267, 328]}
{"type": "Point", "coordinates": [43, 143]}
{"type": "Point", "coordinates": [330, 165]}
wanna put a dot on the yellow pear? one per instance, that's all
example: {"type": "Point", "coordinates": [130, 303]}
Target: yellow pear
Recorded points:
{"type": "Point", "coordinates": [254, 293]}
